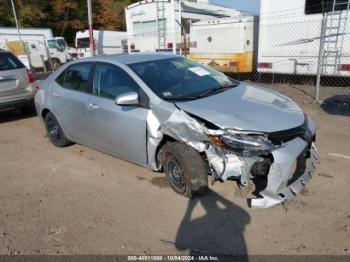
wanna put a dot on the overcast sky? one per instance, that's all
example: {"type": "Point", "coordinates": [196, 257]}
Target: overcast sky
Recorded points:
{"type": "Point", "coordinates": [251, 6]}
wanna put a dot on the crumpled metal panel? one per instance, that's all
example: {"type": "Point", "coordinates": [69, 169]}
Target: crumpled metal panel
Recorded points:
{"type": "Point", "coordinates": [188, 130]}
{"type": "Point", "coordinates": [277, 191]}
{"type": "Point", "coordinates": [153, 125]}
{"type": "Point", "coordinates": [180, 126]}
{"type": "Point", "coordinates": [311, 125]}
{"type": "Point", "coordinates": [154, 137]}
{"type": "Point", "coordinates": [247, 107]}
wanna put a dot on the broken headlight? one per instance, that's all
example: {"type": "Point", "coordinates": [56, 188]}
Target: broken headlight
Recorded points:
{"type": "Point", "coordinates": [247, 143]}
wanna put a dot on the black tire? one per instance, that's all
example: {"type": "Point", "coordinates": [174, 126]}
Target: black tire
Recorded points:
{"type": "Point", "coordinates": [185, 169]}
{"type": "Point", "coordinates": [55, 131]}
{"type": "Point", "coordinates": [56, 64]}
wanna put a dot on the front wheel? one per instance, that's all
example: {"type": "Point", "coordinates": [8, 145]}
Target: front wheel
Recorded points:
{"type": "Point", "coordinates": [185, 169]}
{"type": "Point", "coordinates": [56, 64]}
{"type": "Point", "coordinates": [55, 131]}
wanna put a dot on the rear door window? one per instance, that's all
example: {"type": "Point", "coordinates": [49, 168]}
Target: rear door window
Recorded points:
{"type": "Point", "coordinates": [9, 62]}
{"type": "Point", "coordinates": [76, 77]}
{"type": "Point", "coordinates": [111, 81]}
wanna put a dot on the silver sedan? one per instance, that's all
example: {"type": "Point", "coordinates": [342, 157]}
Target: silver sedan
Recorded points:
{"type": "Point", "coordinates": [166, 112]}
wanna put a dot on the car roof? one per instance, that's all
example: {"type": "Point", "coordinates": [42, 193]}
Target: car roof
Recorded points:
{"type": "Point", "coordinates": [132, 58]}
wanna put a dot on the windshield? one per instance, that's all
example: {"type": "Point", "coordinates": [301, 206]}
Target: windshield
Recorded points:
{"type": "Point", "coordinates": [61, 42]}
{"type": "Point", "coordinates": [52, 43]}
{"type": "Point", "coordinates": [83, 42]}
{"type": "Point", "coordinates": [179, 78]}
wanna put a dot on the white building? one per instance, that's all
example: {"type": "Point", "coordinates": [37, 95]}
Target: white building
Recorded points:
{"type": "Point", "coordinates": [146, 19]}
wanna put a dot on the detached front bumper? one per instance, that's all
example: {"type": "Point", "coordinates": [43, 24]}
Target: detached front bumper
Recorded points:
{"type": "Point", "coordinates": [283, 182]}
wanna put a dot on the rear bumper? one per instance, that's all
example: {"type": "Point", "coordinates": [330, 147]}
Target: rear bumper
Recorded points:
{"type": "Point", "coordinates": [17, 104]}
{"type": "Point", "coordinates": [279, 187]}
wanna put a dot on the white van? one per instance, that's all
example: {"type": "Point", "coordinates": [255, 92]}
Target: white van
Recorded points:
{"type": "Point", "coordinates": [105, 42]}
{"type": "Point", "coordinates": [38, 40]}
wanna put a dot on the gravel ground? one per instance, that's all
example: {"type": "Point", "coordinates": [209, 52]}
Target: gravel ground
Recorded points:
{"type": "Point", "coordinates": [79, 201]}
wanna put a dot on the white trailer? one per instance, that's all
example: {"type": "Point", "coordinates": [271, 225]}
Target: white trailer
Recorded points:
{"type": "Point", "coordinates": [143, 21]}
{"type": "Point", "coordinates": [105, 42]}
{"type": "Point", "coordinates": [226, 44]}
{"type": "Point", "coordinates": [39, 42]}
{"type": "Point", "coordinates": [290, 33]}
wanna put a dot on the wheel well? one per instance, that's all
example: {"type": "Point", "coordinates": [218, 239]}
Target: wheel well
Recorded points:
{"type": "Point", "coordinates": [44, 113]}
{"type": "Point", "coordinates": [55, 59]}
{"type": "Point", "coordinates": [165, 139]}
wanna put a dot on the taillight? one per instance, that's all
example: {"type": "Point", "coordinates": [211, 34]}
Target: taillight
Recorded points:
{"type": "Point", "coordinates": [36, 89]}
{"type": "Point", "coordinates": [30, 76]}
{"type": "Point", "coordinates": [265, 65]}
{"type": "Point", "coordinates": [234, 63]}
{"type": "Point", "coordinates": [132, 47]}
{"type": "Point", "coordinates": [170, 45]}
{"type": "Point", "coordinates": [344, 67]}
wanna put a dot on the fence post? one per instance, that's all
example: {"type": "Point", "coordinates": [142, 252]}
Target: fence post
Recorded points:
{"type": "Point", "coordinates": [320, 54]}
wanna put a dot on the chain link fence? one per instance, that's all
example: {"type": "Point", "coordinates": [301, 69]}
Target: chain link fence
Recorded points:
{"type": "Point", "coordinates": [309, 53]}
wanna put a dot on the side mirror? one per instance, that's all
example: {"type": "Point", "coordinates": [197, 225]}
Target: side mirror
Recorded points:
{"type": "Point", "coordinates": [127, 99]}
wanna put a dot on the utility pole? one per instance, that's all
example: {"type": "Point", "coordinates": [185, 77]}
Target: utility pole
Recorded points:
{"type": "Point", "coordinates": [91, 35]}
{"type": "Point", "coordinates": [321, 53]}
{"type": "Point", "coordinates": [24, 47]}
{"type": "Point", "coordinates": [180, 22]}
{"type": "Point", "coordinates": [15, 15]}
{"type": "Point", "coordinates": [174, 33]}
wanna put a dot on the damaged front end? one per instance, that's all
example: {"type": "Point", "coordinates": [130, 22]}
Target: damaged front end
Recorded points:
{"type": "Point", "coordinates": [279, 172]}
{"type": "Point", "coordinates": [279, 164]}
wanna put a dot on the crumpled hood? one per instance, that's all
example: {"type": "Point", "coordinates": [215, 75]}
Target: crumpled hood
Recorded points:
{"type": "Point", "coordinates": [247, 107]}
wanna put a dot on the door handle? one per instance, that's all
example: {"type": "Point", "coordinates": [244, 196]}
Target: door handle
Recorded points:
{"type": "Point", "coordinates": [92, 106]}
{"type": "Point", "coordinates": [54, 94]}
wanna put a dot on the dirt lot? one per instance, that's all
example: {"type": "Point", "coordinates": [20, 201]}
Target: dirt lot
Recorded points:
{"type": "Point", "coordinates": [79, 201]}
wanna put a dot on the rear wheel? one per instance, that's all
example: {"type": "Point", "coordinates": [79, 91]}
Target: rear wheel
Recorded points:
{"type": "Point", "coordinates": [185, 169]}
{"type": "Point", "coordinates": [55, 132]}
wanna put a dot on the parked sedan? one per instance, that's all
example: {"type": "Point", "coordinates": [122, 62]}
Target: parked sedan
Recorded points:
{"type": "Point", "coordinates": [166, 112]}
{"type": "Point", "coordinates": [16, 90]}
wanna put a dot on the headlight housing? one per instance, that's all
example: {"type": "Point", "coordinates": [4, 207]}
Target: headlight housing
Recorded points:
{"type": "Point", "coordinates": [247, 143]}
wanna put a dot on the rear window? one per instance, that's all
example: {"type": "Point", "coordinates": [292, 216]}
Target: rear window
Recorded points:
{"type": "Point", "coordinates": [9, 62]}
{"type": "Point", "coordinates": [76, 77]}
{"type": "Point", "coordinates": [83, 42]}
